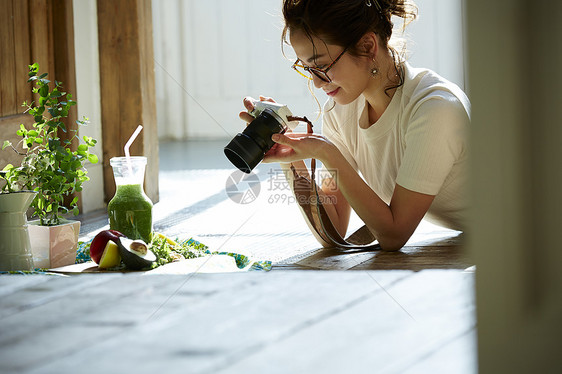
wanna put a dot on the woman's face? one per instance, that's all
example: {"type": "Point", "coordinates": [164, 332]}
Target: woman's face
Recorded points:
{"type": "Point", "coordinates": [349, 75]}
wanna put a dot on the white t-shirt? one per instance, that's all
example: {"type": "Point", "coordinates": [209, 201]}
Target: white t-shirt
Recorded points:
{"type": "Point", "coordinates": [419, 142]}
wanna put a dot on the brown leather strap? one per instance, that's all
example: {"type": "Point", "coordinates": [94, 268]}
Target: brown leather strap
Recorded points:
{"type": "Point", "coordinates": [316, 216]}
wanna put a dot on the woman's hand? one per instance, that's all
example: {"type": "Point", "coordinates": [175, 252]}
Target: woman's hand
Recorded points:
{"type": "Point", "coordinates": [249, 105]}
{"type": "Point", "coordinates": [292, 147]}
{"type": "Point", "coordinates": [289, 147]}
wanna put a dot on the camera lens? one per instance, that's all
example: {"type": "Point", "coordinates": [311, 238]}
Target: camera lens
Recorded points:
{"type": "Point", "coordinates": [247, 149]}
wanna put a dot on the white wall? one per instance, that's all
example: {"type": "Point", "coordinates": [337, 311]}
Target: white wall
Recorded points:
{"type": "Point", "coordinates": [435, 39]}
{"type": "Point", "coordinates": [88, 95]}
{"type": "Point", "coordinates": [209, 54]}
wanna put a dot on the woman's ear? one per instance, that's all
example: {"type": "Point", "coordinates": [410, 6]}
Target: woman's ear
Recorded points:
{"type": "Point", "coordinates": [369, 44]}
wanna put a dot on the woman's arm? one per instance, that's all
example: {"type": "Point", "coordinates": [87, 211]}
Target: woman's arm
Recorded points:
{"type": "Point", "coordinates": [391, 224]}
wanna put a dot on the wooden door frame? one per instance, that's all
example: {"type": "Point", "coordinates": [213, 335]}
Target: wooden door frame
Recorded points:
{"type": "Point", "coordinates": [127, 86]}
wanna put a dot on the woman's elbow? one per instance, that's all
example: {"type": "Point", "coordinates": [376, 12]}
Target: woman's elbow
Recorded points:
{"type": "Point", "coordinates": [392, 244]}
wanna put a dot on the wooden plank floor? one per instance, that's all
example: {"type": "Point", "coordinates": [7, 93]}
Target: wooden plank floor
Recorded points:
{"type": "Point", "coordinates": [284, 321]}
{"type": "Point", "coordinates": [410, 311]}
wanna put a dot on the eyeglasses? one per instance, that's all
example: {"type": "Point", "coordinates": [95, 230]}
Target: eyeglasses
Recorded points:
{"type": "Point", "coordinates": [307, 71]}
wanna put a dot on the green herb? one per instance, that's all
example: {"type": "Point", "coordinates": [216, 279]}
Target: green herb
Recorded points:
{"type": "Point", "coordinates": [49, 166]}
{"type": "Point", "coordinates": [167, 252]}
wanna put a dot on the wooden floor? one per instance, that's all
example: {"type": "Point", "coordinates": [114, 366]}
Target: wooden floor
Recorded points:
{"type": "Point", "coordinates": [410, 311]}
{"type": "Point", "coordinates": [282, 321]}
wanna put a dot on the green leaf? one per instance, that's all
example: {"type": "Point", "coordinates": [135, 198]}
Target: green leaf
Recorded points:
{"type": "Point", "coordinates": [90, 141]}
{"type": "Point", "coordinates": [93, 158]}
{"type": "Point", "coordinates": [49, 167]}
{"type": "Point", "coordinates": [33, 69]}
{"type": "Point", "coordinates": [7, 143]}
{"type": "Point", "coordinates": [53, 111]}
{"type": "Point", "coordinates": [44, 90]}
{"type": "Point", "coordinates": [54, 142]}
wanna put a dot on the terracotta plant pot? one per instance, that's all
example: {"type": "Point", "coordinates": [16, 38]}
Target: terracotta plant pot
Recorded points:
{"type": "Point", "coordinates": [54, 246]}
{"type": "Point", "coordinates": [15, 248]}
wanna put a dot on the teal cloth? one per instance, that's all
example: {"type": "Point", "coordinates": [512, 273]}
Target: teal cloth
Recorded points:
{"type": "Point", "coordinates": [83, 255]}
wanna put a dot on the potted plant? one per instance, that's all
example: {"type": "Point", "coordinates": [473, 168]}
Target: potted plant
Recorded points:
{"type": "Point", "coordinates": [51, 168]}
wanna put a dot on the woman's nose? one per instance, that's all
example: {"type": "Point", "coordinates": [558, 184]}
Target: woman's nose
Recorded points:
{"type": "Point", "coordinates": [318, 83]}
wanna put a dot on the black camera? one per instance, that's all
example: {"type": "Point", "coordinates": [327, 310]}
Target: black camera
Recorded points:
{"type": "Point", "coordinates": [247, 149]}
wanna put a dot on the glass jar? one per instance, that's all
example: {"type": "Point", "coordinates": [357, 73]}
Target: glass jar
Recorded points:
{"type": "Point", "coordinates": [130, 210]}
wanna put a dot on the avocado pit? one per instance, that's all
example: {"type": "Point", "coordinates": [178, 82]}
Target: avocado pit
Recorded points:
{"type": "Point", "coordinates": [135, 253]}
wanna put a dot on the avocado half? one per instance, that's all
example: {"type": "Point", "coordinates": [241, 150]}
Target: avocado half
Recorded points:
{"type": "Point", "coordinates": [135, 254]}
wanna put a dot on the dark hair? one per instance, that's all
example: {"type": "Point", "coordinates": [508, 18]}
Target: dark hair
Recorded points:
{"type": "Point", "coordinates": [344, 23]}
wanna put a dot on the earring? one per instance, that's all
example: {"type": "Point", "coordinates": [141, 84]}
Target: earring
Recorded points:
{"type": "Point", "coordinates": [374, 70]}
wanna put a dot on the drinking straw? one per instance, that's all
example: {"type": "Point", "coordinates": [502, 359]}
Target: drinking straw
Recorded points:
{"type": "Point", "coordinates": [128, 145]}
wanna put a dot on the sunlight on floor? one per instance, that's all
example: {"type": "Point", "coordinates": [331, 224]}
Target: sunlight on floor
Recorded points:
{"type": "Point", "coordinates": [196, 200]}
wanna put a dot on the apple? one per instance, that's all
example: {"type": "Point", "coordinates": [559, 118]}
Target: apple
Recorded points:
{"type": "Point", "coordinates": [116, 233]}
{"type": "Point", "coordinates": [99, 243]}
{"type": "Point", "coordinates": [111, 256]}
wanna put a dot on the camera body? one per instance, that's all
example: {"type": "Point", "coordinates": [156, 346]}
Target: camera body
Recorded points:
{"type": "Point", "coordinates": [247, 149]}
{"type": "Point", "coordinates": [280, 109]}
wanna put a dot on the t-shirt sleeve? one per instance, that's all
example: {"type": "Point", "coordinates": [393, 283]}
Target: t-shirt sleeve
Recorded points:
{"type": "Point", "coordinates": [434, 142]}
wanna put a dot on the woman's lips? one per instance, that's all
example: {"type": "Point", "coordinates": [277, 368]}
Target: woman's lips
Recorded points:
{"type": "Point", "coordinates": [334, 92]}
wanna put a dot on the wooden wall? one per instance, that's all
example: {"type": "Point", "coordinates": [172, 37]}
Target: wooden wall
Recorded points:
{"type": "Point", "coordinates": [32, 31]}
{"type": "Point", "coordinates": [14, 47]}
{"type": "Point", "coordinates": [21, 42]}
{"type": "Point", "coordinates": [43, 31]}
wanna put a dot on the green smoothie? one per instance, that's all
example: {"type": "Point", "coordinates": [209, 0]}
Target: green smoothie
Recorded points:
{"type": "Point", "coordinates": [130, 212]}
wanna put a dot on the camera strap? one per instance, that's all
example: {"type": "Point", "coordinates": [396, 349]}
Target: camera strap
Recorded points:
{"type": "Point", "coordinates": [306, 193]}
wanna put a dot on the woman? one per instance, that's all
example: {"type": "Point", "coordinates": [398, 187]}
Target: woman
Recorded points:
{"type": "Point", "coordinates": [393, 136]}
